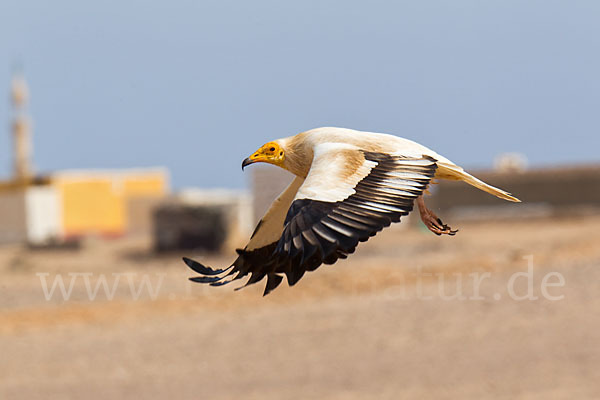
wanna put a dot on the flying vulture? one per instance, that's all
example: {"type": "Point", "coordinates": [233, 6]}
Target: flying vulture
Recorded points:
{"type": "Point", "coordinates": [348, 186]}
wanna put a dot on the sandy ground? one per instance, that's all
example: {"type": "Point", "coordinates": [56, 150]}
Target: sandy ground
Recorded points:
{"type": "Point", "coordinates": [391, 322]}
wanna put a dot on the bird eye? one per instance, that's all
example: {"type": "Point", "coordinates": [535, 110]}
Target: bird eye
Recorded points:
{"type": "Point", "coordinates": [281, 153]}
{"type": "Point", "coordinates": [272, 149]}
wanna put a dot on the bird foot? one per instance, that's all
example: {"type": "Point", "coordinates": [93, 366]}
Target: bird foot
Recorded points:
{"type": "Point", "coordinates": [432, 221]}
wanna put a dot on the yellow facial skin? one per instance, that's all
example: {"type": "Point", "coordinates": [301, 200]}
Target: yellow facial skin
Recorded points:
{"type": "Point", "coordinates": [271, 153]}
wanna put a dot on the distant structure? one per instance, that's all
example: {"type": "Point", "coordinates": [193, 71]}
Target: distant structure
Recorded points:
{"type": "Point", "coordinates": [109, 203]}
{"type": "Point", "coordinates": [203, 221]}
{"type": "Point", "coordinates": [21, 127]}
{"type": "Point", "coordinates": [510, 162]}
{"type": "Point", "coordinates": [66, 205]}
{"type": "Point", "coordinates": [545, 193]}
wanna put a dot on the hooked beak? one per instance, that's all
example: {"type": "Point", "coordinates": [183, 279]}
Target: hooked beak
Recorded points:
{"type": "Point", "coordinates": [246, 162]}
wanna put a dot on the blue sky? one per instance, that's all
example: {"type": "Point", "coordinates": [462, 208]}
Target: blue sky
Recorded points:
{"type": "Point", "coordinates": [196, 86]}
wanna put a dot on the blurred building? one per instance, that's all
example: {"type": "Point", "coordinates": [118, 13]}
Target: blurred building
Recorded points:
{"type": "Point", "coordinates": [203, 220]}
{"type": "Point", "coordinates": [544, 192]}
{"type": "Point", "coordinates": [71, 204]}
{"type": "Point", "coordinates": [109, 203]}
{"type": "Point", "coordinates": [63, 205]}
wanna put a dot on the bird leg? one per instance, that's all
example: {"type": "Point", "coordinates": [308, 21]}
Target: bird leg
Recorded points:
{"type": "Point", "coordinates": [432, 221]}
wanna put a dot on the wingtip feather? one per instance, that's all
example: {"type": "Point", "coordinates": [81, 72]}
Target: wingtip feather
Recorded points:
{"type": "Point", "coordinates": [201, 269]}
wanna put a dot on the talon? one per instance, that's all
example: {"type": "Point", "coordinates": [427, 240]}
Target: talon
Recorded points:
{"type": "Point", "coordinates": [432, 221]}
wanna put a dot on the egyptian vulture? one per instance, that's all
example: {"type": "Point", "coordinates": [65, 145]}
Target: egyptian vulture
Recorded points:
{"type": "Point", "coordinates": [348, 186]}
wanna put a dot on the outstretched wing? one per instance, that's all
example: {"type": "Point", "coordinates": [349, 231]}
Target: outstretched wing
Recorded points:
{"type": "Point", "coordinates": [348, 196]}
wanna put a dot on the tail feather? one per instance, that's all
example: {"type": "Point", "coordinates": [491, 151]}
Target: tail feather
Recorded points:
{"type": "Point", "coordinates": [456, 173]}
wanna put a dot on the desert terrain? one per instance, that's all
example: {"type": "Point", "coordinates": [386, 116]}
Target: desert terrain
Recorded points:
{"type": "Point", "coordinates": [506, 310]}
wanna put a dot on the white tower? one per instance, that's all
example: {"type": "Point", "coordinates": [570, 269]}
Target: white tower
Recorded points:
{"type": "Point", "coordinates": [21, 128]}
